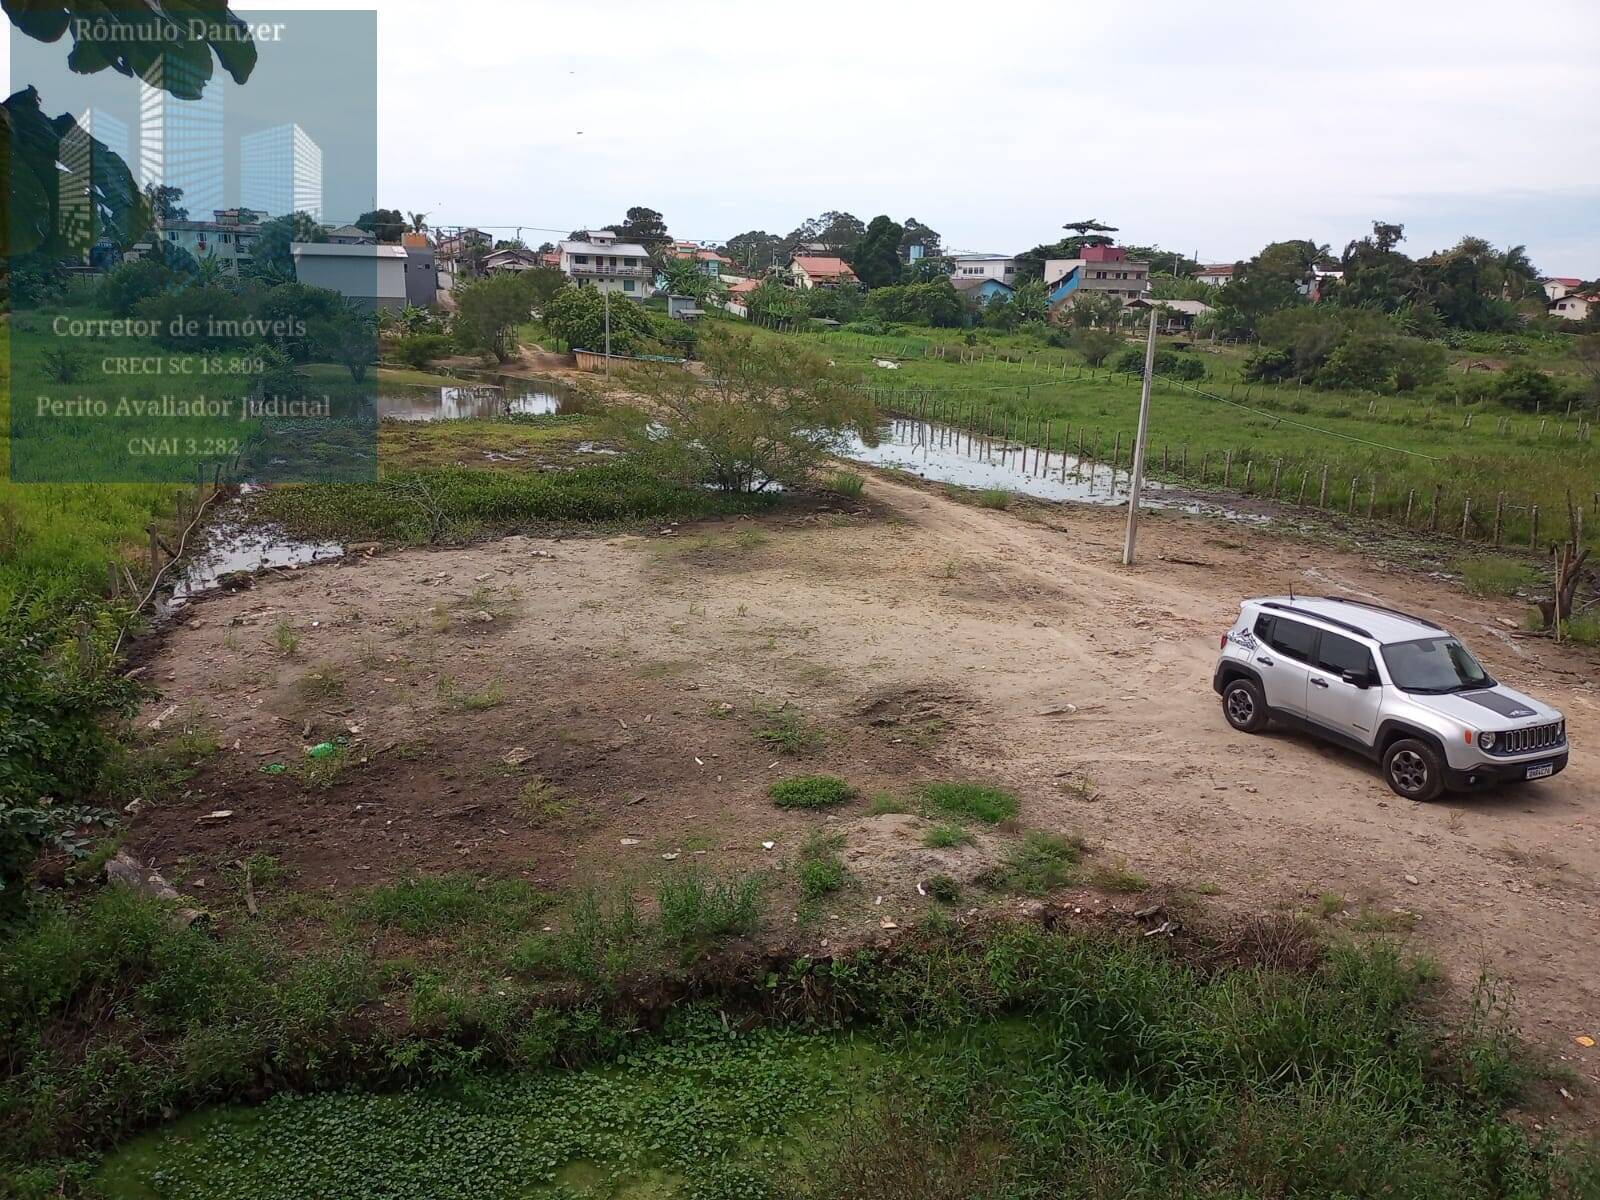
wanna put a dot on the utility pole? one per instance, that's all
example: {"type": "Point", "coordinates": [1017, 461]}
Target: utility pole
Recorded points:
{"type": "Point", "coordinates": [1136, 483]}
{"type": "Point", "coordinates": [606, 292]}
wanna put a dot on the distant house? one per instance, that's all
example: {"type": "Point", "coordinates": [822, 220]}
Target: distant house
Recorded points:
{"type": "Point", "coordinates": [983, 266]}
{"type": "Point", "coordinates": [709, 261]}
{"type": "Point", "coordinates": [1314, 287]}
{"type": "Point", "coordinates": [1571, 306]}
{"type": "Point", "coordinates": [350, 235]}
{"type": "Point", "coordinates": [1101, 270]}
{"type": "Point", "coordinates": [1215, 275]}
{"type": "Point", "coordinates": [600, 261]}
{"type": "Point", "coordinates": [511, 259]}
{"type": "Point", "coordinates": [982, 289]}
{"type": "Point", "coordinates": [229, 240]}
{"type": "Point", "coordinates": [808, 271]}
{"type": "Point", "coordinates": [1175, 316]}
{"type": "Point", "coordinates": [371, 275]}
{"type": "Point", "coordinates": [422, 270]}
{"type": "Point", "coordinates": [1557, 286]}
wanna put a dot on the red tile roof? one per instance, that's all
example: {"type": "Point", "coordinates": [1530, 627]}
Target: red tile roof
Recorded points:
{"type": "Point", "coordinates": [825, 268]}
{"type": "Point", "coordinates": [1566, 280]}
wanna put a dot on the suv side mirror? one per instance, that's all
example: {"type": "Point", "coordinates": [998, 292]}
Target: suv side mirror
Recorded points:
{"type": "Point", "coordinates": [1360, 679]}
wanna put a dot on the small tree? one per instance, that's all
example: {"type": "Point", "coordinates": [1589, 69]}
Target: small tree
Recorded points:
{"type": "Point", "coordinates": [763, 413]}
{"type": "Point", "coordinates": [349, 337]}
{"type": "Point", "coordinates": [491, 309]}
{"type": "Point", "coordinates": [1096, 345]}
{"type": "Point", "coordinates": [578, 317]}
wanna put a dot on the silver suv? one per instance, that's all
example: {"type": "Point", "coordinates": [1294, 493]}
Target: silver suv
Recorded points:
{"type": "Point", "coordinates": [1397, 688]}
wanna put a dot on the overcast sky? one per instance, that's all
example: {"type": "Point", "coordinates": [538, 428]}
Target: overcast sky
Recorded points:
{"type": "Point", "coordinates": [1209, 127]}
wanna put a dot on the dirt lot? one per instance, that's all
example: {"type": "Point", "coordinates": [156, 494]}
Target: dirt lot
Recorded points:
{"type": "Point", "coordinates": [582, 708]}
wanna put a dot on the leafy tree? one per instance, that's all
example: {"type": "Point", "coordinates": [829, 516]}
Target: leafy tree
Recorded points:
{"type": "Point", "coordinates": [163, 201]}
{"type": "Point", "coordinates": [685, 278]}
{"type": "Point", "coordinates": [1092, 308]}
{"type": "Point", "coordinates": [927, 270]}
{"type": "Point", "coordinates": [915, 233]}
{"type": "Point", "coordinates": [1376, 275]}
{"type": "Point", "coordinates": [271, 254]}
{"type": "Point", "coordinates": [754, 250]}
{"type": "Point", "coordinates": [842, 304]}
{"type": "Point", "coordinates": [544, 284]}
{"type": "Point", "coordinates": [837, 231]}
{"type": "Point", "coordinates": [1096, 345]}
{"type": "Point", "coordinates": [510, 244]}
{"type": "Point", "coordinates": [385, 224]}
{"type": "Point", "coordinates": [1030, 301]}
{"type": "Point", "coordinates": [774, 303]}
{"type": "Point", "coordinates": [875, 256]}
{"type": "Point", "coordinates": [764, 413]}
{"type": "Point", "coordinates": [348, 337]}
{"type": "Point", "coordinates": [489, 311]}
{"type": "Point", "coordinates": [645, 226]}
{"type": "Point", "coordinates": [578, 317]}
{"type": "Point", "coordinates": [1091, 232]}
{"type": "Point", "coordinates": [1165, 287]}
{"type": "Point", "coordinates": [937, 304]}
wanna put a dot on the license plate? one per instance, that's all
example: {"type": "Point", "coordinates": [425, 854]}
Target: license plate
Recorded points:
{"type": "Point", "coordinates": [1540, 771]}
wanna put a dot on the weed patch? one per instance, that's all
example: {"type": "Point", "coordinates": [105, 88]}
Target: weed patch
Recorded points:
{"type": "Point", "coordinates": [971, 801]}
{"type": "Point", "coordinates": [1042, 863]}
{"type": "Point", "coordinates": [787, 731]}
{"type": "Point", "coordinates": [810, 791]}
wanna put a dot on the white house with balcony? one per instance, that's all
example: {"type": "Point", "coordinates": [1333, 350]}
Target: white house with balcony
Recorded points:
{"type": "Point", "coordinates": [600, 261]}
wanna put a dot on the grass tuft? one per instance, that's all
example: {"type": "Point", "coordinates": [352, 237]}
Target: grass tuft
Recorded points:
{"type": "Point", "coordinates": [1041, 864]}
{"type": "Point", "coordinates": [810, 791]}
{"type": "Point", "coordinates": [972, 801]}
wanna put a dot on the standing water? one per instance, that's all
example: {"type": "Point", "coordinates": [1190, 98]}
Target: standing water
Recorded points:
{"type": "Point", "coordinates": [495, 396]}
{"type": "Point", "coordinates": [945, 454]}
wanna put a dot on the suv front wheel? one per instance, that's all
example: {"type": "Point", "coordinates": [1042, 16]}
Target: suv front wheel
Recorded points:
{"type": "Point", "coordinates": [1412, 769]}
{"type": "Point", "coordinates": [1244, 705]}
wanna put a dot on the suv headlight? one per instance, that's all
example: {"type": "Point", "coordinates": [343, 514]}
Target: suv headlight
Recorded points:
{"type": "Point", "coordinates": [1486, 740]}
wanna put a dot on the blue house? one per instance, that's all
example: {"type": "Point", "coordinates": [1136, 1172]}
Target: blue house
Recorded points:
{"type": "Point", "coordinates": [981, 288]}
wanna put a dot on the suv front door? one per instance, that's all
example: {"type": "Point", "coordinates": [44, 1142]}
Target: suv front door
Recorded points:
{"type": "Point", "coordinates": [1344, 708]}
{"type": "Point", "coordinates": [1287, 649]}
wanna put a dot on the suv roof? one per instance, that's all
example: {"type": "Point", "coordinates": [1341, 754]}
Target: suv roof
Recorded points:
{"type": "Point", "coordinates": [1373, 621]}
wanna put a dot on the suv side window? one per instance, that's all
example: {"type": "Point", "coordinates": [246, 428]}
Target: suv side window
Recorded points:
{"type": "Point", "coordinates": [1289, 637]}
{"type": "Point", "coordinates": [1336, 655]}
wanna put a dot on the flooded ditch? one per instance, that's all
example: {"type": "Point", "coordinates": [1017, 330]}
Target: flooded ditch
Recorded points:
{"type": "Point", "coordinates": [481, 398]}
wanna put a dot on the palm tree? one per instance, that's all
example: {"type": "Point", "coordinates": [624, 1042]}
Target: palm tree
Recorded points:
{"type": "Point", "coordinates": [1517, 272]}
{"type": "Point", "coordinates": [419, 222]}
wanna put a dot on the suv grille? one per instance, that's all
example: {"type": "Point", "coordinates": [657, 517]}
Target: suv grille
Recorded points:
{"type": "Point", "coordinates": [1524, 741]}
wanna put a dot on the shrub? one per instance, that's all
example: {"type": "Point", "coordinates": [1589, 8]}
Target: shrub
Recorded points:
{"type": "Point", "coordinates": [130, 283]}
{"type": "Point", "coordinates": [974, 801]}
{"type": "Point", "coordinates": [1495, 575]}
{"type": "Point", "coordinates": [696, 909]}
{"type": "Point", "coordinates": [810, 791]}
{"type": "Point", "coordinates": [578, 317]}
{"type": "Point", "coordinates": [1524, 386]}
{"type": "Point", "coordinates": [764, 412]}
{"type": "Point", "coordinates": [195, 318]}
{"type": "Point", "coordinates": [849, 484]}
{"type": "Point", "coordinates": [420, 349]}
{"type": "Point", "coordinates": [1096, 345]}
{"type": "Point", "coordinates": [1042, 863]}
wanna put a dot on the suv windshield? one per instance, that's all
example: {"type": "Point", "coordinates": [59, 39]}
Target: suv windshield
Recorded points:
{"type": "Point", "coordinates": [1434, 665]}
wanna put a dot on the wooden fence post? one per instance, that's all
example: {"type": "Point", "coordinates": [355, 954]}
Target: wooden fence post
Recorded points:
{"type": "Point", "coordinates": [1411, 498]}
{"type": "Point", "coordinates": [1322, 494]}
{"type": "Point", "coordinates": [1433, 512]}
{"type": "Point", "coordinates": [1227, 468]}
{"type": "Point", "coordinates": [1533, 528]}
{"type": "Point", "coordinates": [1499, 514]}
{"type": "Point", "coordinates": [1277, 475]}
{"type": "Point", "coordinates": [1466, 517]}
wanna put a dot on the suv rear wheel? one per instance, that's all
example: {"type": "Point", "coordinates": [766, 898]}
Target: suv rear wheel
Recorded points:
{"type": "Point", "coordinates": [1244, 705]}
{"type": "Point", "coordinates": [1412, 769]}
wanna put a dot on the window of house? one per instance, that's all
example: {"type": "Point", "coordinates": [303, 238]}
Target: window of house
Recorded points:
{"type": "Point", "coordinates": [1288, 637]}
{"type": "Point", "coordinates": [1337, 654]}
{"type": "Point", "coordinates": [172, 235]}
{"type": "Point", "coordinates": [580, 258]}
{"type": "Point", "coordinates": [627, 285]}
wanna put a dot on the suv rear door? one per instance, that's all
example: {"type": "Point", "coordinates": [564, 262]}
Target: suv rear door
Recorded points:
{"type": "Point", "coordinates": [1287, 650]}
{"type": "Point", "coordinates": [1346, 709]}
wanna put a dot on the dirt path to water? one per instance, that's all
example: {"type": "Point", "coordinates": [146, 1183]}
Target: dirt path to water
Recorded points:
{"type": "Point", "coordinates": [570, 710]}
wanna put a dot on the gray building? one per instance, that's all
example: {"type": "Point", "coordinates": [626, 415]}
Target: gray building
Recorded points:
{"type": "Point", "coordinates": [373, 276]}
{"type": "Point", "coordinates": [422, 275]}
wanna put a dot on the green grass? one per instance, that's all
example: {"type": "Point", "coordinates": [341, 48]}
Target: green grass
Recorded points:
{"type": "Point", "coordinates": [996, 498]}
{"type": "Point", "coordinates": [1365, 435]}
{"type": "Point", "coordinates": [1029, 1063]}
{"type": "Point", "coordinates": [971, 801]}
{"type": "Point", "coordinates": [696, 909]}
{"type": "Point", "coordinates": [943, 837]}
{"type": "Point", "coordinates": [1496, 575]}
{"type": "Point", "coordinates": [787, 731]}
{"type": "Point", "coordinates": [1042, 863]}
{"type": "Point", "coordinates": [849, 484]}
{"type": "Point", "coordinates": [820, 871]}
{"type": "Point", "coordinates": [810, 791]}
{"type": "Point", "coordinates": [436, 904]}
{"type": "Point", "coordinates": [450, 504]}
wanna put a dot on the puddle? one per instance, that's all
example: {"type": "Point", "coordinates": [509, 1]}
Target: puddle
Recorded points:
{"type": "Point", "coordinates": [228, 544]}
{"type": "Point", "coordinates": [944, 454]}
{"type": "Point", "coordinates": [494, 396]}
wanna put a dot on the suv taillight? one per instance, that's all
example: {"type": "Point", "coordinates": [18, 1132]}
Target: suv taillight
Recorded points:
{"type": "Point", "coordinates": [1222, 644]}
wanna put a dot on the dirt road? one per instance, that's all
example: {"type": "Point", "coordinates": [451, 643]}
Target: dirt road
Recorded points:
{"type": "Point", "coordinates": [930, 638]}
